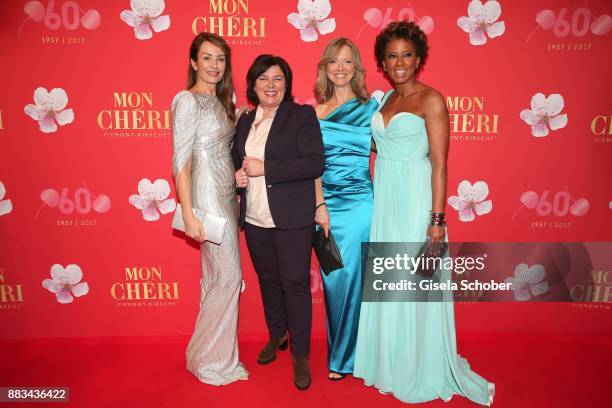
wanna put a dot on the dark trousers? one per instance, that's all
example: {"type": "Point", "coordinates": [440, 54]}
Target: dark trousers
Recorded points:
{"type": "Point", "coordinates": [282, 261]}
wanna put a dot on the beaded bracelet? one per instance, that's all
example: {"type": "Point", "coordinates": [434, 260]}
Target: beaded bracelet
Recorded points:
{"type": "Point", "coordinates": [438, 218]}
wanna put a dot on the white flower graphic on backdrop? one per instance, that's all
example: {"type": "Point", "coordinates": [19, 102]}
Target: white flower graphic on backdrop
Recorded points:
{"type": "Point", "coordinates": [544, 113]}
{"type": "Point", "coordinates": [146, 17]}
{"type": "Point", "coordinates": [471, 199]}
{"type": "Point", "coordinates": [66, 283]}
{"type": "Point", "coordinates": [527, 281]}
{"type": "Point", "coordinates": [312, 17]}
{"type": "Point", "coordinates": [153, 199]}
{"type": "Point", "coordinates": [482, 21]}
{"type": "Point", "coordinates": [49, 108]}
{"type": "Point", "coordinates": [6, 206]}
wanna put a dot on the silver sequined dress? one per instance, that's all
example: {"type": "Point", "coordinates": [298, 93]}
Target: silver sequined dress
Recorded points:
{"type": "Point", "coordinates": [202, 131]}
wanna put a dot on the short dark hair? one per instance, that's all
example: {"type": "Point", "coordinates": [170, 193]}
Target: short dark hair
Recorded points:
{"type": "Point", "coordinates": [402, 30]}
{"type": "Point", "coordinates": [261, 65]}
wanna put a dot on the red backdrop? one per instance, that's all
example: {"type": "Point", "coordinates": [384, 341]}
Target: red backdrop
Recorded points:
{"type": "Point", "coordinates": [69, 189]}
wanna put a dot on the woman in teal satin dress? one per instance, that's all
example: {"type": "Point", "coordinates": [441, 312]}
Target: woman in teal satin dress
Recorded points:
{"type": "Point", "coordinates": [408, 349]}
{"type": "Point", "coordinates": [344, 191]}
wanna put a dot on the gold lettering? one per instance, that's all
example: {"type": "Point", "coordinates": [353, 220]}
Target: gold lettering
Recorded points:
{"type": "Point", "coordinates": [232, 24]}
{"type": "Point", "coordinates": [466, 104]}
{"type": "Point", "coordinates": [454, 122]}
{"type": "Point", "coordinates": [164, 289]}
{"type": "Point", "coordinates": [148, 98]}
{"type": "Point", "coordinates": [479, 101]}
{"type": "Point", "coordinates": [599, 277]}
{"type": "Point", "coordinates": [194, 25]}
{"type": "Point", "coordinates": [244, 5]}
{"type": "Point", "coordinates": [6, 290]}
{"type": "Point", "coordinates": [608, 294]}
{"type": "Point", "coordinates": [1, 275]}
{"type": "Point", "coordinates": [216, 7]}
{"type": "Point", "coordinates": [131, 274]}
{"type": "Point", "coordinates": [122, 117]}
{"type": "Point", "coordinates": [1, 124]}
{"type": "Point", "coordinates": [215, 25]}
{"type": "Point", "coordinates": [452, 103]}
{"type": "Point", "coordinates": [148, 290]}
{"type": "Point", "coordinates": [137, 119]}
{"type": "Point", "coordinates": [133, 290]}
{"type": "Point", "coordinates": [154, 117]}
{"type": "Point", "coordinates": [606, 124]}
{"type": "Point", "coordinates": [120, 100]}
{"type": "Point", "coordinates": [468, 120]}
{"type": "Point", "coordinates": [114, 291]}
{"type": "Point", "coordinates": [101, 118]}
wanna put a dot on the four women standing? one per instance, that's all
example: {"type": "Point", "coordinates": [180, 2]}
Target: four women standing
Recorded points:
{"type": "Point", "coordinates": [403, 348]}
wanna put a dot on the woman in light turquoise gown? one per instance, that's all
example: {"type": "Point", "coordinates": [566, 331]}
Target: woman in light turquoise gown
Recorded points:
{"type": "Point", "coordinates": [408, 349]}
{"type": "Point", "coordinates": [344, 191]}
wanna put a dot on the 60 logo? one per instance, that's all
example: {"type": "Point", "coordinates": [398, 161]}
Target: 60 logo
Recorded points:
{"type": "Point", "coordinates": [374, 18]}
{"type": "Point", "coordinates": [579, 23]}
{"type": "Point", "coordinates": [68, 15]}
{"type": "Point", "coordinates": [559, 204]}
{"type": "Point", "coordinates": [80, 200]}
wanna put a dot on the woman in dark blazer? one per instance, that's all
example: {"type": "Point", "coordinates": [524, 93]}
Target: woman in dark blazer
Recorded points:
{"type": "Point", "coordinates": [278, 153]}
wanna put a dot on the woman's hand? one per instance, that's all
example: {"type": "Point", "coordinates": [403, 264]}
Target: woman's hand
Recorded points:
{"type": "Point", "coordinates": [242, 180]}
{"type": "Point", "coordinates": [253, 167]}
{"type": "Point", "coordinates": [436, 233]}
{"type": "Point", "coordinates": [194, 228]}
{"type": "Point", "coordinates": [322, 219]}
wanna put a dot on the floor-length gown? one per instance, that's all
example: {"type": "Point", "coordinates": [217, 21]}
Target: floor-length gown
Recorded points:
{"type": "Point", "coordinates": [408, 349]}
{"type": "Point", "coordinates": [347, 190]}
{"type": "Point", "coordinates": [202, 131]}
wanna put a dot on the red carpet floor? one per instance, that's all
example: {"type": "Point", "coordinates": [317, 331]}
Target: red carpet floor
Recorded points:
{"type": "Point", "coordinates": [149, 372]}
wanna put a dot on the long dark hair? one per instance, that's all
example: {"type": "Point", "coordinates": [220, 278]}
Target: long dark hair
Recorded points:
{"type": "Point", "coordinates": [225, 87]}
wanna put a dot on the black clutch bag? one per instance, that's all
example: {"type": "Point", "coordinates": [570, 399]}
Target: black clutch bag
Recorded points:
{"type": "Point", "coordinates": [327, 252]}
{"type": "Point", "coordinates": [430, 254]}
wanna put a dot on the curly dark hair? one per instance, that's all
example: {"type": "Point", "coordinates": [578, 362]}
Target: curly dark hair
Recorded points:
{"type": "Point", "coordinates": [405, 30]}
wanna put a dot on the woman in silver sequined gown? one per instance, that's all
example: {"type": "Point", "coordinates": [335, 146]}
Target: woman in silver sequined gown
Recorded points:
{"type": "Point", "coordinates": [202, 131]}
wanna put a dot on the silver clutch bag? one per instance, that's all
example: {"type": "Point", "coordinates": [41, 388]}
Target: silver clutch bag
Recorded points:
{"type": "Point", "coordinates": [214, 226]}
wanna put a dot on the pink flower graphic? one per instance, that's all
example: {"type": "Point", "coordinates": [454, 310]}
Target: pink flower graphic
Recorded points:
{"type": "Point", "coordinates": [471, 198]}
{"type": "Point", "coordinates": [66, 282]}
{"type": "Point", "coordinates": [527, 281]}
{"type": "Point", "coordinates": [152, 199]}
{"type": "Point", "coordinates": [312, 15]}
{"type": "Point", "coordinates": [144, 16]}
{"type": "Point", "coordinates": [6, 206]}
{"type": "Point", "coordinates": [544, 113]}
{"type": "Point", "coordinates": [482, 21]}
{"type": "Point", "coordinates": [49, 108]}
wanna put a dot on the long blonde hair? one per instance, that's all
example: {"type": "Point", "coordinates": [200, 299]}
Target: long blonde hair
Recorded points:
{"type": "Point", "coordinates": [324, 88]}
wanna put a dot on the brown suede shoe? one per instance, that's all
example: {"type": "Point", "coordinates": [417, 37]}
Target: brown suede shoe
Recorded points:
{"type": "Point", "coordinates": [301, 372]}
{"type": "Point", "coordinates": [268, 353]}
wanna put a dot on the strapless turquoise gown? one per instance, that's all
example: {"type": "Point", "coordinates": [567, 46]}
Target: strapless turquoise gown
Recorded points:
{"type": "Point", "coordinates": [408, 349]}
{"type": "Point", "coordinates": [347, 190]}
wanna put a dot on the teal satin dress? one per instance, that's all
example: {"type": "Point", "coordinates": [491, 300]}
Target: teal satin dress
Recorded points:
{"type": "Point", "coordinates": [347, 190]}
{"type": "Point", "coordinates": [408, 349]}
